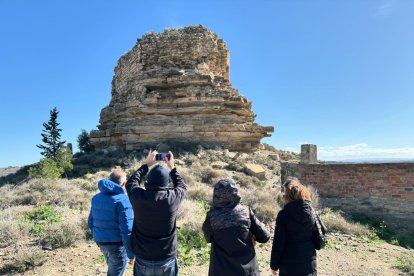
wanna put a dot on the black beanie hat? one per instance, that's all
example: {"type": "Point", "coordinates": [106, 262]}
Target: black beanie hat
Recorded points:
{"type": "Point", "coordinates": [158, 177]}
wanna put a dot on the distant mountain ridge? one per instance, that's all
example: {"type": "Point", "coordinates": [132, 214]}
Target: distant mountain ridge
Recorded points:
{"type": "Point", "coordinates": [372, 160]}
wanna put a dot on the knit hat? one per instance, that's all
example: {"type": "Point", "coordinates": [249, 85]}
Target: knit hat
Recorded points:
{"type": "Point", "coordinates": [226, 194]}
{"type": "Point", "coordinates": [158, 177]}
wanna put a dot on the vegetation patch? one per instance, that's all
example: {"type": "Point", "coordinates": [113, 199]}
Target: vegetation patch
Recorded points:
{"type": "Point", "coordinates": [406, 263]}
{"type": "Point", "coordinates": [24, 259]}
{"type": "Point", "coordinates": [192, 247]}
{"type": "Point", "coordinates": [393, 234]}
{"type": "Point", "coordinates": [39, 217]}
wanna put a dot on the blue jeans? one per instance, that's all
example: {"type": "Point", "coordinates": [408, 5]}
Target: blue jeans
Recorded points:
{"type": "Point", "coordinates": [168, 267]}
{"type": "Point", "coordinates": [115, 257]}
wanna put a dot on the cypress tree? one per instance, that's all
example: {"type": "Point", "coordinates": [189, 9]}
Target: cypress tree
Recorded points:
{"type": "Point", "coordinates": [51, 136]}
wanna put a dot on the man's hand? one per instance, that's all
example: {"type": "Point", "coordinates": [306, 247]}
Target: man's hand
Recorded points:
{"type": "Point", "coordinates": [170, 162]}
{"type": "Point", "coordinates": [275, 272]}
{"type": "Point", "coordinates": [131, 261]}
{"type": "Point", "coordinates": [151, 158]}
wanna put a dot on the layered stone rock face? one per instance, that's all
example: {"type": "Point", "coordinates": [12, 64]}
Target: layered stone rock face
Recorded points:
{"type": "Point", "coordinates": [174, 86]}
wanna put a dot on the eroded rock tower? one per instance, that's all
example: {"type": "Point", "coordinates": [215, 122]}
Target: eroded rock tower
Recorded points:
{"type": "Point", "coordinates": [174, 86]}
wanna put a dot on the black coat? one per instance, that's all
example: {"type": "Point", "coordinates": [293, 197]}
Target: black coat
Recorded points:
{"type": "Point", "coordinates": [153, 236]}
{"type": "Point", "coordinates": [232, 250]}
{"type": "Point", "coordinates": [293, 252]}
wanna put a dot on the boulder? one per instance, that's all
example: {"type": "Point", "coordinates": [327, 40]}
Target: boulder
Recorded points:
{"type": "Point", "coordinates": [255, 170]}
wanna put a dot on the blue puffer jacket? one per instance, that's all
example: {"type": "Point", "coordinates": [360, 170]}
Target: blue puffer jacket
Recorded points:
{"type": "Point", "coordinates": [110, 218]}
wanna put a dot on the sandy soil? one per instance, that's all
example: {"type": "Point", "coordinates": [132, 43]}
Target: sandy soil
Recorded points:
{"type": "Point", "coordinates": [344, 255]}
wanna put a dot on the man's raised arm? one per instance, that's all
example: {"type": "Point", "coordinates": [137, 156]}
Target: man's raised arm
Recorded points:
{"type": "Point", "coordinates": [135, 179]}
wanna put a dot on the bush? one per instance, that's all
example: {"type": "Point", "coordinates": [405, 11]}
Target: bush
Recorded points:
{"type": "Point", "coordinates": [45, 192]}
{"type": "Point", "coordinates": [192, 213]}
{"type": "Point", "coordinates": [62, 234]}
{"type": "Point", "coordinates": [211, 176]}
{"type": "Point", "coordinates": [192, 247]}
{"type": "Point", "coordinates": [40, 217]}
{"type": "Point", "coordinates": [334, 221]}
{"type": "Point", "coordinates": [314, 196]}
{"type": "Point", "coordinates": [85, 228]}
{"type": "Point", "coordinates": [24, 259]}
{"type": "Point", "coordinates": [46, 168]}
{"type": "Point", "coordinates": [263, 203]}
{"type": "Point", "coordinates": [84, 143]}
{"type": "Point", "coordinates": [406, 263]}
{"type": "Point", "coordinates": [200, 192]}
{"type": "Point", "coordinates": [11, 230]}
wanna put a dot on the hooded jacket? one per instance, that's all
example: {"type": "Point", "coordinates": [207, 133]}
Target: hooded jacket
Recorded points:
{"type": "Point", "coordinates": [110, 218]}
{"type": "Point", "coordinates": [293, 251]}
{"type": "Point", "coordinates": [228, 227]}
{"type": "Point", "coordinates": [153, 235]}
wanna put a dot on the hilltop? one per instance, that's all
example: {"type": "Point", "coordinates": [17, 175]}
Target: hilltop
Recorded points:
{"type": "Point", "coordinates": [44, 232]}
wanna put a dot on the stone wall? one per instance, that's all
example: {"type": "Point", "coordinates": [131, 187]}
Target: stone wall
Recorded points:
{"type": "Point", "coordinates": [386, 189]}
{"type": "Point", "coordinates": [174, 86]}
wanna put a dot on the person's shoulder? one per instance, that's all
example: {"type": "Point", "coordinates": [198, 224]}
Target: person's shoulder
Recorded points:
{"type": "Point", "coordinates": [121, 198]}
{"type": "Point", "coordinates": [281, 215]}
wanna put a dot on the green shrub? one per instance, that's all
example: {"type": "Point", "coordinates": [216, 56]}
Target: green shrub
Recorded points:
{"type": "Point", "coordinates": [192, 247]}
{"type": "Point", "coordinates": [84, 143]}
{"type": "Point", "coordinates": [24, 259]}
{"type": "Point", "coordinates": [46, 168]}
{"type": "Point", "coordinates": [40, 217]}
{"type": "Point", "coordinates": [406, 263]}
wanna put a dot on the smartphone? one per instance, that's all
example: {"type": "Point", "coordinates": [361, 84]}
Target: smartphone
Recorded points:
{"type": "Point", "coordinates": [161, 156]}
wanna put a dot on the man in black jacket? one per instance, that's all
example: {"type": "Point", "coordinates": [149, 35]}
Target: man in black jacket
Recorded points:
{"type": "Point", "coordinates": [153, 237]}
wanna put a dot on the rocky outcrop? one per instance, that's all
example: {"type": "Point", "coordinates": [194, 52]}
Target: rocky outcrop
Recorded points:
{"type": "Point", "coordinates": [174, 86]}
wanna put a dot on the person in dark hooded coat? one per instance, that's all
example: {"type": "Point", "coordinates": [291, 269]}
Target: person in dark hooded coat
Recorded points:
{"type": "Point", "coordinates": [293, 251]}
{"type": "Point", "coordinates": [229, 228]}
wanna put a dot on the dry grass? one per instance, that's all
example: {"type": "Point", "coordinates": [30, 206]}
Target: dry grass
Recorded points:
{"type": "Point", "coordinates": [24, 259]}
{"type": "Point", "coordinates": [191, 214]}
{"type": "Point", "coordinates": [263, 202]}
{"type": "Point", "coordinates": [211, 176]}
{"type": "Point", "coordinates": [63, 234]}
{"type": "Point", "coordinates": [200, 192]}
{"type": "Point", "coordinates": [42, 192]}
{"type": "Point", "coordinates": [12, 229]}
{"type": "Point", "coordinates": [335, 222]}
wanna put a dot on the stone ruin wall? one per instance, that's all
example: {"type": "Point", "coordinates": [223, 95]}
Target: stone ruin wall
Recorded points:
{"type": "Point", "coordinates": [385, 189]}
{"type": "Point", "coordinates": [174, 86]}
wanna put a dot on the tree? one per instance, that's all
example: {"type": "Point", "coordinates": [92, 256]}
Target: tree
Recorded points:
{"type": "Point", "coordinates": [83, 142]}
{"type": "Point", "coordinates": [51, 136]}
{"type": "Point", "coordinates": [53, 168]}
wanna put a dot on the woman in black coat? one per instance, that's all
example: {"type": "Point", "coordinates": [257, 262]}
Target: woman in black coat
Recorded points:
{"type": "Point", "coordinates": [229, 227]}
{"type": "Point", "coordinates": [293, 252]}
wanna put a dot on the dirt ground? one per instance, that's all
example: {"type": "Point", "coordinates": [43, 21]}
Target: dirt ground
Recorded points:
{"type": "Point", "coordinates": [344, 255]}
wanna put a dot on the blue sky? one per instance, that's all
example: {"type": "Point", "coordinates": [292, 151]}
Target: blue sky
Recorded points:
{"type": "Point", "coordinates": [338, 74]}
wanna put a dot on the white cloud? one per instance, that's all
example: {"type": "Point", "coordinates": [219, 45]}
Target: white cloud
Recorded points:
{"type": "Point", "coordinates": [385, 8]}
{"type": "Point", "coordinates": [364, 151]}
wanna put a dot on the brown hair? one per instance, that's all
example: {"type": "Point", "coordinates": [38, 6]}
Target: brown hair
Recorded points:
{"type": "Point", "coordinates": [294, 190]}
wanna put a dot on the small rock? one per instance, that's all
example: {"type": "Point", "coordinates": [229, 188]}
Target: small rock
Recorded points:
{"type": "Point", "coordinates": [371, 249]}
{"type": "Point", "coordinates": [219, 165]}
{"type": "Point", "coordinates": [47, 246]}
